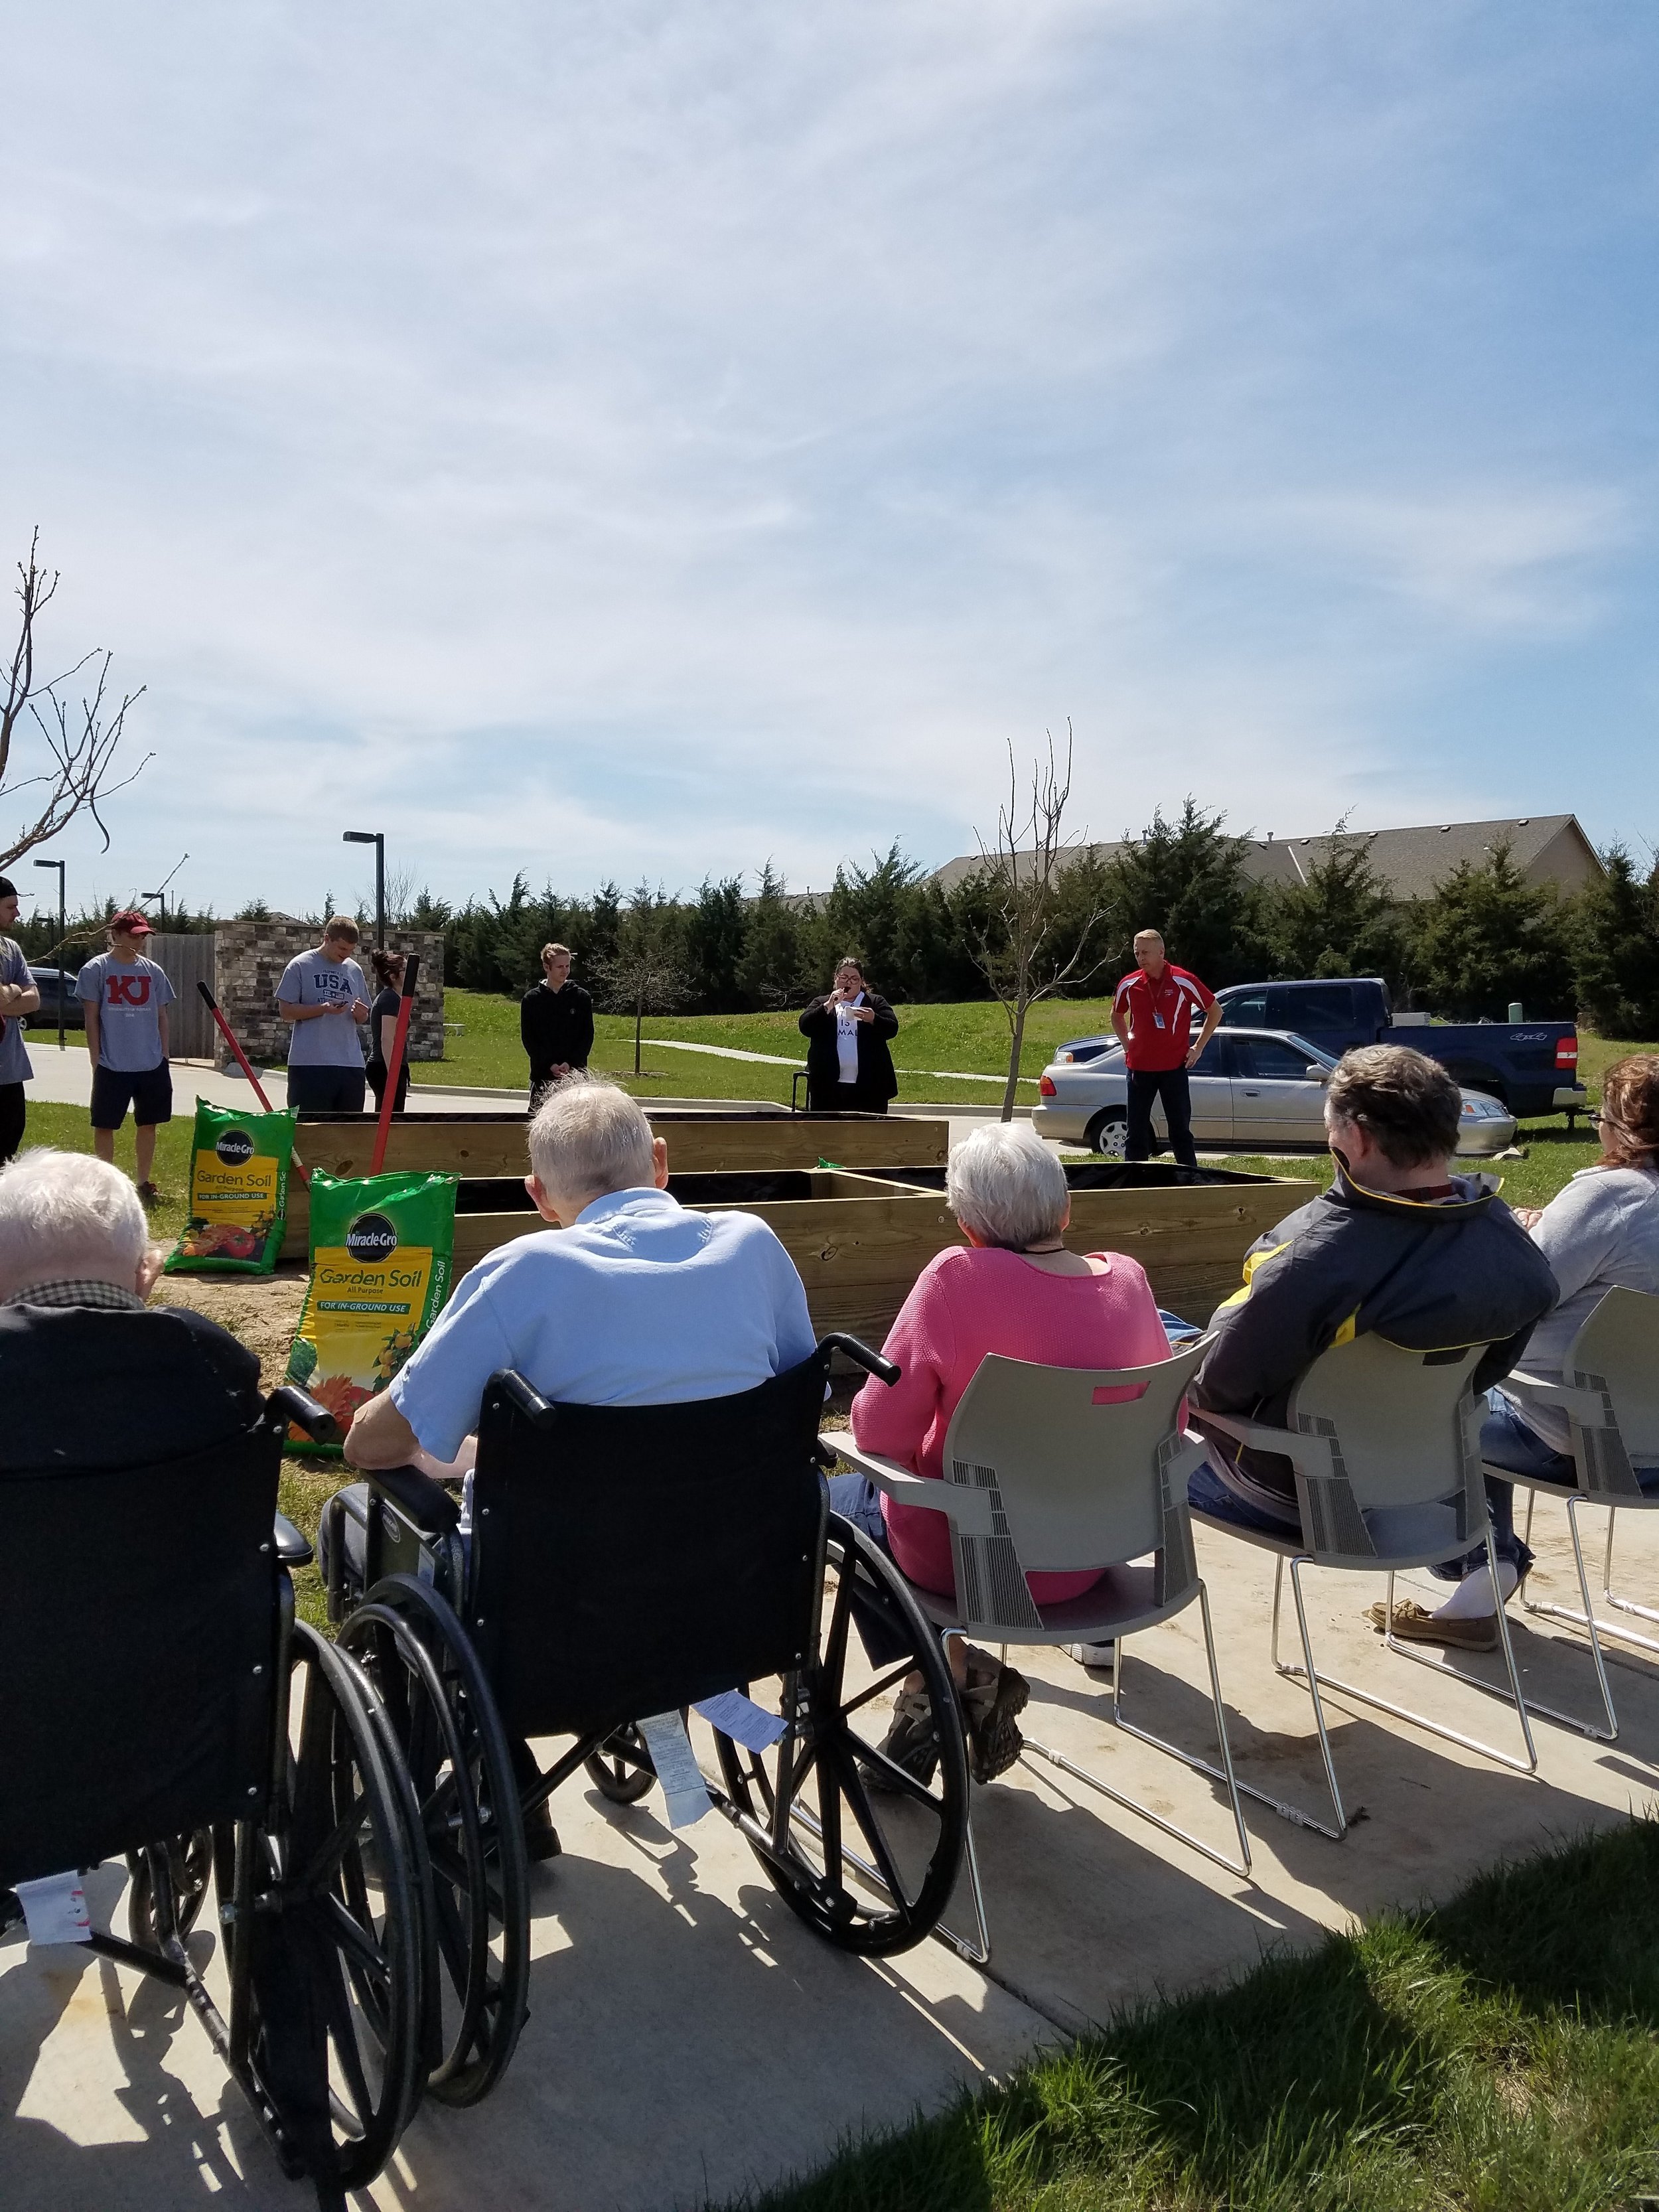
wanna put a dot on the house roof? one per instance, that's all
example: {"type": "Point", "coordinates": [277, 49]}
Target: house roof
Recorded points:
{"type": "Point", "coordinates": [1545, 847]}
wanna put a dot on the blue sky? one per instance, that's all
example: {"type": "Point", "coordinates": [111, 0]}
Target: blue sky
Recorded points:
{"type": "Point", "coordinates": [639, 440]}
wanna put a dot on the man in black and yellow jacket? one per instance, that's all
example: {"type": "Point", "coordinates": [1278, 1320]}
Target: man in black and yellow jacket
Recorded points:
{"type": "Point", "coordinates": [1398, 1245]}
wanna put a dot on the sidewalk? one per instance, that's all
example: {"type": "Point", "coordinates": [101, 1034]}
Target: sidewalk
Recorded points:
{"type": "Point", "coordinates": [65, 1079]}
{"type": "Point", "coordinates": [688, 2039]}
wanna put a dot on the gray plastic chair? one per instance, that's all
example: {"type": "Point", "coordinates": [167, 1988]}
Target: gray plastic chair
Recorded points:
{"type": "Point", "coordinates": [1386, 1447]}
{"type": "Point", "coordinates": [1042, 1475]}
{"type": "Point", "coordinates": [1612, 1405]}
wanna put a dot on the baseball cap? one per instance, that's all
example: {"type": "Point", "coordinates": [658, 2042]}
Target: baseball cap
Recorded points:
{"type": "Point", "coordinates": [131, 923]}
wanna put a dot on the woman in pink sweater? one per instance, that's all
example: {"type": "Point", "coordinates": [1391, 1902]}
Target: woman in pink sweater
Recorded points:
{"type": "Point", "coordinates": [1016, 1290]}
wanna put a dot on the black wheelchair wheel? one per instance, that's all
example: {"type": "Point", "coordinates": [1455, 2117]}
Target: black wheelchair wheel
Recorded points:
{"type": "Point", "coordinates": [866, 1853]}
{"type": "Point", "coordinates": [621, 1768]}
{"type": "Point", "coordinates": [420, 1659]}
{"type": "Point", "coordinates": [189, 1869]}
{"type": "Point", "coordinates": [333, 1882]}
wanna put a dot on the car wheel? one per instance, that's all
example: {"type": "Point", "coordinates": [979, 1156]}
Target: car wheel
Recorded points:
{"type": "Point", "coordinates": [1108, 1133]}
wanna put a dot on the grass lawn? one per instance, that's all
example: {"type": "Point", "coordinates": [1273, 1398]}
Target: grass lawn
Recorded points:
{"type": "Point", "coordinates": [969, 1037]}
{"type": "Point", "coordinates": [1500, 2054]}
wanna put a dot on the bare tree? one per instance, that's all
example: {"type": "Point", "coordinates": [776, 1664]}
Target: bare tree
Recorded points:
{"type": "Point", "coordinates": [80, 741]}
{"type": "Point", "coordinates": [1033, 943]}
{"type": "Point", "coordinates": [643, 975]}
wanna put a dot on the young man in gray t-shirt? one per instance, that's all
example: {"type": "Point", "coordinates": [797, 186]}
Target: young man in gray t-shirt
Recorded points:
{"type": "Point", "coordinates": [322, 997]}
{"type": "Point", "coordinates": [126, 999]}
{"type": "Point", "coordinates": [18, 996]}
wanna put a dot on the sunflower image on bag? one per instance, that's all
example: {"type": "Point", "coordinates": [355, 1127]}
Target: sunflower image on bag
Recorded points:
{"type": "Point", "coordinates": [239, 1165]}
{"type": "Point", "coordinates": [381, 1259]}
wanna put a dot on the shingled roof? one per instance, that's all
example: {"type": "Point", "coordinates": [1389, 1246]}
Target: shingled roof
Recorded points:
{"type": "Point", "coordinates": [1546, 847]}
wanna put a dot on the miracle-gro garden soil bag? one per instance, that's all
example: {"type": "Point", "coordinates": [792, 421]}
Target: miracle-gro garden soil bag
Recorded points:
{"type": "Point", "coordinates": [239, 1165]}
{"type": "Point", "coordinates": [382, 1253]}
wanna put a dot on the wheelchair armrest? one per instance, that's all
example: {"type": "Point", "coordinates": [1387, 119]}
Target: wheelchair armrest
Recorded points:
{"type": "Point", "coordinates": [968, 1511]}
{"type": "Point", "coordinates": [427, 1503]}
{"type": "Point", "coordinates": [292, 1548]}
{"type": "Point", "coordinates": [873, 1362]}
{"type": "Point", "coordinates": [507, 1386]}
{"type": "Point", "coordinates": [303, 1410]}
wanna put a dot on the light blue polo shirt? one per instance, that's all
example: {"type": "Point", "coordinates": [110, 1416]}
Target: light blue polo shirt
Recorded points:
{"type": "Point", "coordinates": [638, 1303]}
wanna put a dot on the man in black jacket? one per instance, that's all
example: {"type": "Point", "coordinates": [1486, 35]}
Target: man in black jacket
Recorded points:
{"type": "Point", "coordinates": [1398, 1245]}
{"type": "Point", "coordinates": [556, 1021]}
{"type": "Point", "coordinates": [849, 1067]}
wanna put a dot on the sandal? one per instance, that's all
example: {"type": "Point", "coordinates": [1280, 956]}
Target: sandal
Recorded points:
{"type": "Point", "coordinates": [993, 1701]}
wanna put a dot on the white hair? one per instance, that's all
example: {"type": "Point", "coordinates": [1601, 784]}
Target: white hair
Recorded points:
{"type": "Point", "coordinates": [588, 1137]}
{"type": "Point", "coordinates": [66, 1217]}
{"type": "Point", "coordinates": [1005, 1184]}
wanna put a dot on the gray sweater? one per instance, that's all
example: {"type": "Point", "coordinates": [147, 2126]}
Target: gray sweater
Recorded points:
{"type": "Point", "coordinates": [1600, 1233]}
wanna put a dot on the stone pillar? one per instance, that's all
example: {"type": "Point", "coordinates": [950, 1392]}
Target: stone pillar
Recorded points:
{"type": "Point", "coordinates": [250, 957]}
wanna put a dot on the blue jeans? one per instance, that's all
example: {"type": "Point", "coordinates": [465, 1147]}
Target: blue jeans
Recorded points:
{"type": "Point", "coordinates": [1506, 1441]}
{"type": "Point", "coordinates": [856, 1498]}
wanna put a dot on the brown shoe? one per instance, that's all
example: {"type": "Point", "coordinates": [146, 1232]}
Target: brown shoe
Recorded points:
{"type": "Point", "coordinates": [993, 1701]}
{"type": "Point", "coordinates": [1412, 1625]}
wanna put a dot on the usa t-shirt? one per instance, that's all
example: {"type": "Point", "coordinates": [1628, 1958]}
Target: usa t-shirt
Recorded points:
{"type": "Point", "coordinates": [129, 996]}
{"type": "Point", "coordinates": [331, 1040]}
{"type": "Point", "coordinates": [13, 1060]}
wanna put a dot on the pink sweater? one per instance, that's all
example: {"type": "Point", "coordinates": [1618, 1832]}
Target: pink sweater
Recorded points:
{"type": "Point", "coordinates": [964, 1305]}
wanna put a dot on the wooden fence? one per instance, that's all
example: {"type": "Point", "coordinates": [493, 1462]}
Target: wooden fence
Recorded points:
{"type": "Point", "coordinates": [187, 961]}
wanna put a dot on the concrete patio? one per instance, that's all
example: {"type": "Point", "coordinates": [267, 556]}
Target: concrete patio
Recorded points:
{"type": "Point", "coordinates": [688, 2039]}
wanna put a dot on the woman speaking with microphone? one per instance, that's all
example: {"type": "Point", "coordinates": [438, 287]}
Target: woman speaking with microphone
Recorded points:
{"type": "Point", "coordinates": [849, 1067]}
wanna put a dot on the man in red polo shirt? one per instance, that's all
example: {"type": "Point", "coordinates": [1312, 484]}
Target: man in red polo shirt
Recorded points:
{"type": "Point", "coordinates": [1153, 1014]}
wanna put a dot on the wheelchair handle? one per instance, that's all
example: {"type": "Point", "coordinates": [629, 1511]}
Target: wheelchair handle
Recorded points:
{"type": "Point", "coordinates": [507, 1383]}
{"type": "Point", "coordinates": [884, 1370]}
{"type": "Point", "coordinates": [303, 1410]}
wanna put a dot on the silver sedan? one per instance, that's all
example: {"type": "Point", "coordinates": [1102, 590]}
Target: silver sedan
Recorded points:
{"type": "Point", "coordinates": [1253, 1091]}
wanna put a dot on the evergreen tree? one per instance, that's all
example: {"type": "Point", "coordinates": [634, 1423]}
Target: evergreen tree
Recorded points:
{"type": "Point", "coordinates": [1486, 937]}
{"type": "Point", "coordinates": [1340, 921]}
{"type": "Point", "coordinates": [1618, 963]}
{"type": "Point", "coordinates": [714, 930]}
{"type": "Point", "coordinates": [1186, 879]}
{"type": "Point", "coordinates": [769, 967]}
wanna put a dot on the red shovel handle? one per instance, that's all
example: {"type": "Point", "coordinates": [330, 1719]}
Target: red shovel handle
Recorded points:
{"type": "Point", "coordinates": [395, 1061]}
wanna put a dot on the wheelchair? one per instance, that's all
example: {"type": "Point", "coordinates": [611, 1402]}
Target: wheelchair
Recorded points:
{"type": "Point", "coordinates": [627, 1561]}
{"type": "Point", "coordinates": [163, 1704]}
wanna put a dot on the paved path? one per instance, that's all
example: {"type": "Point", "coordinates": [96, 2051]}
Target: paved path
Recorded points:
{"type": "Point", "coordinates": [66, 1079]}
{"type": "Point", "coordinates": [688, 2039]}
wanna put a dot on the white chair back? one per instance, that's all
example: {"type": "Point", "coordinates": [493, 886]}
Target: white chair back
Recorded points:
{"type": "Point", "coordinates": [1398, 1479]}
{"type": "Point", "coordinates": [1077, 1481]}
{"type": "Point", "coordinates": [1615, 1355]}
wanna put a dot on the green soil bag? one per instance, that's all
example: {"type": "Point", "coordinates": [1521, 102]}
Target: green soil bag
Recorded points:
{"type": "Point", "coordinates": [381, 1257]}
{"type": "Point", "coordinates": [238, 1167]}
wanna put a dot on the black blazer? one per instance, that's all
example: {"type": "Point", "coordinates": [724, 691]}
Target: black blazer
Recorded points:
{"type": "Point", "coordinates": [877, 1082]}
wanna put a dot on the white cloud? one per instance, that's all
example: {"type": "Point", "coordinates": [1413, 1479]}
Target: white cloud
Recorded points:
{"type": "Point", "coordinates": [632, 439]}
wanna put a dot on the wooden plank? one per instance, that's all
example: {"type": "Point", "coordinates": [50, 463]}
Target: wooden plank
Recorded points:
{"type": "Point", "coordinates": [858, 1256]}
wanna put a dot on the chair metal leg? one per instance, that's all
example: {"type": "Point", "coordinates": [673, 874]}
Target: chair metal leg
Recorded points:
{"type": "Point", "coordinates": [1623, 1604]}
{"type": "Point", "coordinates": [1527, 1765]}
{"type": "Point", "coordinates": [1224, 1773]}
{"type": "Point", "coordinates": [1586, 1620]}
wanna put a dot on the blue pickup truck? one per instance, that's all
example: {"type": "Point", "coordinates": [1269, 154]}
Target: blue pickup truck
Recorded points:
{"type": "Point", "coordinates": [1532, 1066]}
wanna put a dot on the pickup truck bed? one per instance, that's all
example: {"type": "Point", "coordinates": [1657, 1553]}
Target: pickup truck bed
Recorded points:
{"type": "Point", "coordinates": [1532, 1066]}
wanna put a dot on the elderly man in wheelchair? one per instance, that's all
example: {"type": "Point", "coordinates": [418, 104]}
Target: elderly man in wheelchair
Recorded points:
{"type": "Point", "coordinates": [644, 1528]}
{"type": "Point", "coordinates": [162, 1702]}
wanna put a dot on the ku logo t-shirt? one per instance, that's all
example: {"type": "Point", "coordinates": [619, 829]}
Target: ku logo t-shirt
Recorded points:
{"type": "Point", "coordinates": [332, 1040]}
{"type": "Point", "coordinates": [129, 997]}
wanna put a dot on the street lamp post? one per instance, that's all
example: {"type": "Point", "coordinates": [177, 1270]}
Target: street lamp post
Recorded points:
{"type": "Point", "coordinates": [62, 932]}
{"type": "Point", "coordinates": [377, 839]}
{"type": "Point", "coordinates": [161, 898]}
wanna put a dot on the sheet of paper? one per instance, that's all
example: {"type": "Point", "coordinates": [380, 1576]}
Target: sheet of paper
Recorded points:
{"type": "Point", "coordinates": [678, 1770]}
{"type": "Point", "coordinates": [742, 1719]}
{"type": "Point", "coordinates": [55, 1908]}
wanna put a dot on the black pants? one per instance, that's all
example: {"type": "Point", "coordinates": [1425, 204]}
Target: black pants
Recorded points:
{"type": "Point", "coordinates": [1168, 1083]}
{"type": "Point", "coordinates": [375, 1075]}
{"type": "Point", "coordinates": [843, 1098]}
{"type": "Point", "coordinates": [325, 1089]}
{"type": "Point", "coordinates": [11, 1119]}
